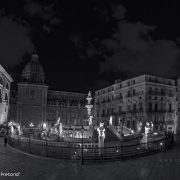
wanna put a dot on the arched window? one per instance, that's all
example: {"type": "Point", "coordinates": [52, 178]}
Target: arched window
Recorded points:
{"type": "Point", "coordinates": [141, 107]}
{"type": "Point", "coordinates": [0, 96]}
{"type": "Point", "coordinates": [6, 97]}
{"type": "Point", "coordinates": [1, 80]}
{"type": "Point", "coordinates": [7, 85]}
{"type": "Point", "coordinates": [134, 108]}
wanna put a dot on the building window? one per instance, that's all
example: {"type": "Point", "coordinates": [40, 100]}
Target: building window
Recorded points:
{"type": "Point", "coordinates": [150, 90]}
{"type": "Point", "coordinates": [141, 107]}
{"type": "Point", "coordinates": [6, 97]}
{"type": "Point", "coordinates": [134, 92]}
{"type": "Point", "coordinates": [150, 107]}
{"type": "Point", "coordinates": [170, 107]}
{"type": "Point", "coordinates": [1, 80]}
{"type": "Point", "coordinates": [170, 93]}
{"type": "Point", "coordinates": [134, 108]}
{"type": "Point", "coordinates": [97, 101]}
{"type": "Point", "coordinates": [128, 124]}
{"type": "Point", "coordinates": [120, 95]}
{"type": "Point", "coordinates": [156, 91]}
{"type": "Point", "coordinates": [0, 96]}
{"type": "Point", "coordinates": [107, 111]}
{"type": "Point", "coordinates": [129, 94]}
{"type": "Point", "coordinates": [103, 112]}
{"type": "Point", "coordinates": [128, 108]}
{"type": "Point", "coordinates": [112, 110]}
{"type": "Point", "coordinates": [134, 81]}
{"type": "Point", "coordinates": [162, 92]}
{"type": "Point", "coordinates": [162, 107]}
{"type": "Point", "coordinates": [32, 92]}
{"type": "Point", "coordinates": [156, 107]}
{"type": "Point", "coordinates": [120, 109]}
{"type": "Point", "coordinates": [7, 86]}
{"type": "Point", "coordinates": [150, 97]}
{"type": "Point", "coordinates": [103, 99]}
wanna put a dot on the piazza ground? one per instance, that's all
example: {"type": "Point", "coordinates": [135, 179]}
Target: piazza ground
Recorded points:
{"type": "Point", "coordinates": [165, 166]}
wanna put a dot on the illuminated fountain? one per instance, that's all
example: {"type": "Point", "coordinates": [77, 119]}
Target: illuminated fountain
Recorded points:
{"type": "Point", "coordinates": [89, 107]}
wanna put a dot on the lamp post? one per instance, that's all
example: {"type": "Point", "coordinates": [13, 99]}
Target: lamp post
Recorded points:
{"type": "Point", "coordinates": [82, 158]}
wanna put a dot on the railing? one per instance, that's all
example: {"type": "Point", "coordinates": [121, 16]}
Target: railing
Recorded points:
{"type": "Point", "coordinates": [67, 150]}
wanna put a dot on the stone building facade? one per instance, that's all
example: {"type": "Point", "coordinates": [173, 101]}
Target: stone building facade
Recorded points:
{"type": "Point", "coordinates": [33, 102]}
{"type": "Point", "coordinates": [145, 98]}
{"type": "Point", "coordinates": [5, 82]}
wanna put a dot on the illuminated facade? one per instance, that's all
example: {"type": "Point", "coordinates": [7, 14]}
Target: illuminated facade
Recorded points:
{"type": "Point", "coordinates": [5, 81]}
{"type": "Point", "coordinates": [142, 99]}
{"type": "Point", "coordinates": [33, 102]}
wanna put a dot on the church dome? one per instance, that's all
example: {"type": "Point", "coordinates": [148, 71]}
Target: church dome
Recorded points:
{"type": "Point", "coordinates": [33, 71]}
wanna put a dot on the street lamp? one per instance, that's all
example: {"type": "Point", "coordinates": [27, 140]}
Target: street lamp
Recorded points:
{"type": "Point", "coordinates": [31, 125]}
{"type": "Point", "coordinates": [82, 158]}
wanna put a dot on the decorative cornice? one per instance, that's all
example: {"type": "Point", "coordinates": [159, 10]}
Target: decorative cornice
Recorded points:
{"type": "Point", "coordinates": [5, 74]}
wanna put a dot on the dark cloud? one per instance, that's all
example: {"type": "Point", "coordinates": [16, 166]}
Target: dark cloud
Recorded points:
{"type": "Point", "coordinates": [14, 41]}
{"type": "Point", "coordinates": [43, 12]}
{"type": "Point", "coordinates": [118, 12]}
{"type": "Point", "coordinates": [132, 49]}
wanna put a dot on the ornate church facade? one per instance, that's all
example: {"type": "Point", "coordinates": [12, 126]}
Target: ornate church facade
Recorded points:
{"type": "Point", "coordinates": [33, 103]}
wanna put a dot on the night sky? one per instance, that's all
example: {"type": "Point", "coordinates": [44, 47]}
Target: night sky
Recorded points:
{"type": "Point", "coordinates": [86, 45]}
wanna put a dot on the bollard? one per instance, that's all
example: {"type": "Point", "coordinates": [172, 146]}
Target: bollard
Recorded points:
{"type": "Point", "coordinates": [29, 146]}
{"type": "Point", "coordinates": [46, 148]}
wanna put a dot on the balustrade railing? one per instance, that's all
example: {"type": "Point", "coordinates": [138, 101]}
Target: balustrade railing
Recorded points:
{"type": "Point", "coordinates": [91, 151]}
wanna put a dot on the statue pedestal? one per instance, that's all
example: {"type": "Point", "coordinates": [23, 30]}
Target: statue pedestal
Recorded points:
{"type": "Point", "coordinates": [101, 144]}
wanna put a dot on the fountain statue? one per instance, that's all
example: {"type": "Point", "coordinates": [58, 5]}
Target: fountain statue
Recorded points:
{"type": "Point", "coordinates": [110, 121]}
{"type": "Point", "coordinates": [59, 126]}
{"type": "Point", "coordinates": [139, 126]}
{"type": "Point", "coordinates": [101, 137]}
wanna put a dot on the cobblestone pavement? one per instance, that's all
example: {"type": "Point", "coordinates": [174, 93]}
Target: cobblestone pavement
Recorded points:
{"type": "Point", "coordinates": [161, 166]}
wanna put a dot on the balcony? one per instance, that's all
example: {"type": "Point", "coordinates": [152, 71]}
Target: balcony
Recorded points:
{"type": "Point", "coordinates": [119, 98]}
{"type": "Point", "coordinates": [97, 103]}
{"type": "Point", "coordinates": [157, 93]}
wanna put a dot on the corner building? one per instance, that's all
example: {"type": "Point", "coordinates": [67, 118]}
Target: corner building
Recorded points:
{"type": "Point", "coordinates": [5, 82]}
{"type": "Point", "coordinates": [145, 98]}
{"type": "Point", "coordinates": [33, 102]}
